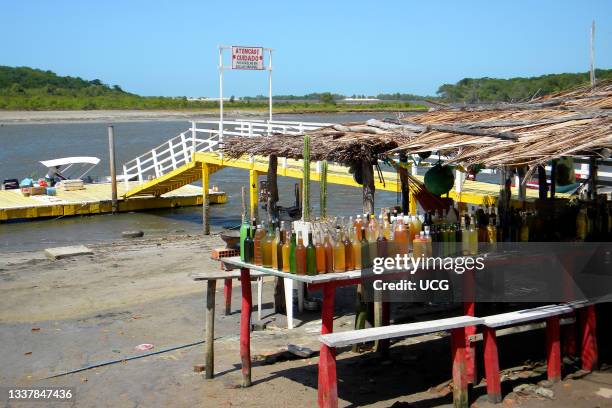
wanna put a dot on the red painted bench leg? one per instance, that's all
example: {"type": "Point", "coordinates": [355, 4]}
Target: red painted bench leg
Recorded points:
{"type": "Point", "coordinates": [328, 383]}
{"type": "Point", "coordinates": [460, 383]}
{"type": "Point", "coordinates": [470, 356]}
{"type": "Point", "coordinates": [491, 364]}
{"type": "Point", "coordinates": [245, 326]}
{"type": "Point", "coordinates": [227, 294]}
{"type": "Point", "coordinates": [589, 338]}
{"type": "Point", "coordinates": [553, 349]}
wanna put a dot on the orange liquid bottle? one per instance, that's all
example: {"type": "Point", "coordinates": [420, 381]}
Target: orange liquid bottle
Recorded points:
{"type": "Point", "coordinates": [348, 254]}
{"type": "Point", "coordinates": [356, 245]}
{"type": "Point", "coordinates": [339, 254]}
{"type": "Point", "coordinates": [320, 253]}
{"type": "Point", "coordinates": [329, 254]}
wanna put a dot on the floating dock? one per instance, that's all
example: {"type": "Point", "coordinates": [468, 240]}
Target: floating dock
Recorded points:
{"type": "Point", "coordinates": [96, 199]}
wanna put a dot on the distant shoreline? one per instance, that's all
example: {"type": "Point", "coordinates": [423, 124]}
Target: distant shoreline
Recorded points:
{"type": "Point", "coordinates": [103, 116]}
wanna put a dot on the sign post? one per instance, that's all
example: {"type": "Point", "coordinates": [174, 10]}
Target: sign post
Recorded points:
{"type": "Point", "coordinates": [244, 58]}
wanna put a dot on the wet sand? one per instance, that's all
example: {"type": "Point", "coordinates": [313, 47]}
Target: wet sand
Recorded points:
{"type": "Point", "coordinates": [61, 315]}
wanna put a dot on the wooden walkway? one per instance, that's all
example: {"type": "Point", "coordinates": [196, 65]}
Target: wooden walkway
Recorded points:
{"type": "Point", "coordinates": [95, 199]}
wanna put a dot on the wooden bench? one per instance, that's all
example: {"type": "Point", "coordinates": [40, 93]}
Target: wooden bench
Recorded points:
{"type": "Point", "coordinates": [549, 313]}
{"type": "Point", "coordinates": [211, 278]}
{"type": "Point", "coordinates": [456, 325]}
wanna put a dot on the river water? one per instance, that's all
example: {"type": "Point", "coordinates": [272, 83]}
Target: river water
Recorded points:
{"type": "Point", "coordinates": [23, 145]}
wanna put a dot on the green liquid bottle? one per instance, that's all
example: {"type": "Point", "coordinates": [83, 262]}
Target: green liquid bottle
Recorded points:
{"type": "Point", "coordinates": [292, 265]}
{"type": "Point", "coordinates": [243, 234]}
{"type": "Point", "coordinates": [366, 261]}
{"type": "Point", "coordinates": [311, 257]}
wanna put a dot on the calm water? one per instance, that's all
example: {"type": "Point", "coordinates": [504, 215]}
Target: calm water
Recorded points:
{"type": "Point", "coordinates": [24, 145]}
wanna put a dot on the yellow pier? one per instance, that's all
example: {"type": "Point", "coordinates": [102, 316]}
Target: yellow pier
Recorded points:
{"type": "Point", "coordinates": [96, 199]}
{"type": "Point", "coordinates": [473, 192]}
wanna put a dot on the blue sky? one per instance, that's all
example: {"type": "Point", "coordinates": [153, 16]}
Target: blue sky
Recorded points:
{"type": "Point", "coordinates": [364, 47]}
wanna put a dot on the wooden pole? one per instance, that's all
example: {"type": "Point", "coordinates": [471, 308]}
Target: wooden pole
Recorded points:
{"type": "Point", "coordinates": [272, 186]}
{"type": "Point", "coordinates": [113, 170]}
{"type": "Point", "coordinates": [253, 199]}
{"type": "Point", "coordinates": [542, 183]}
{"type": "Point", "coordinates": [210, 328]}
{"type": "Point", "coordinates": [593, 178]}
{"type": "Point", "coordinates": [405, 187]}
{"type": "Point", "coordinates": [368, 188]}
{"type": "Point", "coordinates": [205, 200]}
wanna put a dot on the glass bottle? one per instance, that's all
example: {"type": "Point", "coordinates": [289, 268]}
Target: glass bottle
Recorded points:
{"type": "Point", "coordinates": [581, 225]}
{"type": "Point", "coordinates": [358, 224]}
{"type": "Point", "coordinates": [348, 253]}
{"type": "Point", "coordinates": [277, 254]}
{"type": "Point", "coordinates": [311, 256]}
{"type": "Point", "coordinates": [292, 246]}
{"type": "Point", "coordinates": [320, 253]}
{"type": "Point", "coordinates": [267, 244]}
{"type": "Point", "coordinates": [524, 232]}
{"type": "Point", "coordinates": [339, 253]}
{"type": "Point", "coordinates": [473, 239]}
{"type": "Point", "coordinates": [356, 246]}
{"type": "Point", "coordinates": [465, 237]}
{"type": "Point", "coordinates": [258, 246]}
{"type": "Point", "coordinates": [244, 227]}
{"type": "Point", "coordinates": [248, 245]}
{"type": "Point", "coordinates": [366, 261]}
{"type": "Point", "coordinates": [287, 252]}
{"type": "Point", "coordinates": [329, 254]}
{"type": "Point", "coordinates": [492, 234]}
{"type": "Point", "coordinates": [300, 255]}
{"type": "Point", "coordinates": [381, 243]}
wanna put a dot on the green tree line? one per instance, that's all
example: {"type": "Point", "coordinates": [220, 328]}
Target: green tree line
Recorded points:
{"type": "Point", "coordinates": [483, 90]}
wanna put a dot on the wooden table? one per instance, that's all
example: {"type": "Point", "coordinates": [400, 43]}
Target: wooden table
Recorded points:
{"type": "Point", "coordinates": [328, 283]}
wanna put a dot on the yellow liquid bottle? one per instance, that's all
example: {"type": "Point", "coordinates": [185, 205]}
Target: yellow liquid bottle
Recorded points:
{"type": "Point", "coordinates": [339, 254]}
{"type": "Point", "coordinates": [473, 240]}
{"type": "Point", "coordinates": [287, 252]}
{"type": "Point", "coordinates": [581, 225]}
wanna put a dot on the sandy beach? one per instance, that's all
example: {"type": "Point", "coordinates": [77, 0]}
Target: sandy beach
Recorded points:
{"type": "Point", "coordinates": [61, 315]}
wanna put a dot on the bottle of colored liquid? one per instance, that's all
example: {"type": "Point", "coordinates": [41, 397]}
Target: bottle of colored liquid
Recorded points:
{"type": "Point", "coordinates": [339, 253]}
{"type": "Point", "coordinates": [465, 238]}
{"type": "Point", "coordinates": [348, 253]}
{"type": "Point", "coordinates": [418, 225]}
{"type": "Point", "coordinates": [381, 243]}
{"type": "Point", "coordinates": [581, 225]}
{"type": "Point", "coordinates": [387, 226]}
{"type": "Point", "coordinates": [452, 244]}
{"type": "Point", "coordinates": [366, 261]}
{"type": "Point", "coordinates": [329, 253]}
{"type": "Point", "coordinates": [428, 242]}
{"type": "Point", "coordinates": [311, 256]}
{"type": "Point", "coordinates": [268, 243]}
{"type": "Point", "coordinates": [358, 224]}
{"type": "Point", "coordinates": [356, 247]}
{"type": "Point", "coordinates": [277, 254]}
{"type": "Point", "coordinates": [492, 234]}
{"type": "Point", "coordinates": [287, 252]}
{"type": "Point", "coordinates": [524, 232]}
{"type": "Point", "coordinates": [320, 253]}
{"type": "Point", "coordinates": [292, 261]}
{"type": "Point", "coordinates": [473, 239]}
{"type": "Point", "coordinates": [258, 246]}
{"type": "Point", "coordinates": [248, 246]}
{"type": "Point", "coordinates": [418, 246]}
{"type": "Point", "coordinates": [244, 227]}
{"type": "Point", "coordinates": [300, 256]}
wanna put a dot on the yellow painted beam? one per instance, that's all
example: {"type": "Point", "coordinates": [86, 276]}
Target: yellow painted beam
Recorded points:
{"type": "Point", "coordinates": [253, 193]}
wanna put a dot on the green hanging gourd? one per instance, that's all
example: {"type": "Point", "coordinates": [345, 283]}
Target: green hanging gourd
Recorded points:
{"type": "Point", "coordinates": [565, 171]}
{"type": "Point", "coordinates": [439, 179]}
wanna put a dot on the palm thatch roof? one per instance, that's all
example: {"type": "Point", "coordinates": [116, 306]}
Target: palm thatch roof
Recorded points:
{"type": "Point", "coordinates": [578, 122]}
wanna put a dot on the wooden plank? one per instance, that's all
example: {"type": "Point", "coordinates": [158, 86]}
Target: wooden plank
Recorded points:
{"type": "Point", "coordinates": [328, 277]}
{"type": "Point", "coordinates": [400, 330]}
{"type": "Point", "coordinates": [507, 319]}
{"type": "Point", "coordinates": [221, 274]}
{"type": "Point", "coordinates": [210, 328]}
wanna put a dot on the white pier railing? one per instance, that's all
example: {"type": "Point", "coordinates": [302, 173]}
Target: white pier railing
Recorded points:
{"type": "Point", "coordinates": [203, 136]}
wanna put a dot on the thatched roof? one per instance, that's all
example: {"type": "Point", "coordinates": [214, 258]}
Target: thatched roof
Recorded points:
{"type": "Point", "coordinates": [577, 122]}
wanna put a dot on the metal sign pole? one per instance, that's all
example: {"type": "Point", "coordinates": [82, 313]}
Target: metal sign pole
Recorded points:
{"type": "Point", "coordinates": [270, 81]}
{"type": "Point", "coordinates": [220, 93]}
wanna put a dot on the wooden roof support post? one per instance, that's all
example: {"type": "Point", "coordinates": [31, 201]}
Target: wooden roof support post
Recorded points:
{"type": "Point", "coordinates": [272, 186]}
{"type": "Point", "coordinates": [368, 188]}
{"type": "Point", "coordinates": [205, 200]}
{"type": "Point", "coordinates": [407, 198]}
{"type": "Point", "coordinates": [253, 198]}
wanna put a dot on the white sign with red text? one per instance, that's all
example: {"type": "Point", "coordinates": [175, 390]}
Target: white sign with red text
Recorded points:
{"type": "Point", "coordinates": [247, 58]}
